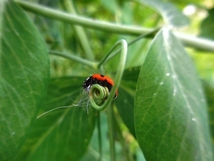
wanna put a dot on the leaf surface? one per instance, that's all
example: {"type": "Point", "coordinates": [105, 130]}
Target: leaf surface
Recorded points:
{"type": "Point", "coordinates": [171, 119]}
{"type": "Point", "coordinates": [24, 75]}
{"type": "Point", "coordinates": [62, 134]}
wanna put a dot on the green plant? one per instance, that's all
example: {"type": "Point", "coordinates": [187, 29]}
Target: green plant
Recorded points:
{"type": "Point", "coordinates": [161, 108]}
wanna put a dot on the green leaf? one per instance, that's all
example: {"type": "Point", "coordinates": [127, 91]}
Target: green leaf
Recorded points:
{"type": "Point", "coordinates": [171, 15]}
{"type": "Point", "coordinates": [171, 119]}
{"type": "Point", "coordinates": [24, 75]}
{"type": "Point", "coordinates": [62, 134]}
{"type": "Point", "coordinates": [207, 25]}
{"type": "Point", "coordinates": [209, 91]}
{"type": "Point", "coordinates": [110, 5]}
{"type": "Point", "coordinates": [125, 99]}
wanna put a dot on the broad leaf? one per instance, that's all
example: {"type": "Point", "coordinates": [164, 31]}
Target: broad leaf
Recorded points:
{"type": "Point", "coordinates": [171, 119]}
{"type": "Point", "coordinates": [171, 15]}
{"type": "Point", "coordinates": [62, 134]}
{"type": "Point", "coordinates": [24, 73]}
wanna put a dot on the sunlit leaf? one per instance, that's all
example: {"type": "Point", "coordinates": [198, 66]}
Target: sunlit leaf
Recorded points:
{"type": "Point", "coordinates": [171, 119]}
{"type": "Point", "coordinates": [171, 15]}
{"type": "Point", "coordinates": [24, 73]}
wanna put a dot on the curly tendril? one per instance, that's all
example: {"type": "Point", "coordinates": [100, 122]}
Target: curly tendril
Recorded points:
{"type": "Point", "coordinates": [99, 96]}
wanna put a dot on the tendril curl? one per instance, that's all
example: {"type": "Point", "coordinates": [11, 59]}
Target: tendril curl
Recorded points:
{"type": "Point", "coordinates": [99, 96]}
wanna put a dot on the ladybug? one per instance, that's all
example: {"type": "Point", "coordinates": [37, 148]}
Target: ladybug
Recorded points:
{"type": "Point", "coordinates": [101, 80]}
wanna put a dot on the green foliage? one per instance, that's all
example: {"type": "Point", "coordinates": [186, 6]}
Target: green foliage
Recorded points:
{"type": "Point", "coordinates": [207, 25]}
{"type": "Point", "coordinates": [126, 99]}
{"type": "Point", "coordinates": [168, 11]}
{"type": "Point", "coordinates": [161, 112]}
{"type": "Point", "coordinates": [64, 134]}
{"type": "Point", "coordinates": [24, 76]}
{"type": "Point", "coordinates": [170, 110]}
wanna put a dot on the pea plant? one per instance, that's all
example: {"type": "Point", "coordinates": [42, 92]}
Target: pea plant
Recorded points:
{"type": "Point", "coordinates": [163, 76]}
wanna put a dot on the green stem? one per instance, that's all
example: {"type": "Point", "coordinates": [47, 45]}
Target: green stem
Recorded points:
{"type": "Point", "coordinates": [111, 132]}
{"type": "Point", "coordinates": [121, 139]}
{"type": "Point", "coordinates": [107, 57]}
{"type": "Point", "coordinates": [101, 92]}
{"type": "Point", "coordinates": [192, 41]}
{"type": "Point", "coordinates": [113, 53]}
{"type": "Point", "coordinates": [83, 39]}
{"type": "Point", "coordinates": [99, 136]}
{"type": "Point", "coordinates": [80, 20]}
{"type": "Point", "coordinates": [75, 58]}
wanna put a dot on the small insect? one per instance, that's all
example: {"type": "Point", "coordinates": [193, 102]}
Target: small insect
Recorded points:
{"type": "Point", "coordinates": [84, 100]}
{"type": "Point", "coordinates": [101, 80]}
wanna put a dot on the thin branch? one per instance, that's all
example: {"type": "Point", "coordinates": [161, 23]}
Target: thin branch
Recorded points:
{"type": "Point", "coordinates": [75, 58]}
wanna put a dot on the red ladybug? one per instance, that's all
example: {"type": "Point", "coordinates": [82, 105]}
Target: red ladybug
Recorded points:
{"type": "Point", "coordinates": [101, 80]}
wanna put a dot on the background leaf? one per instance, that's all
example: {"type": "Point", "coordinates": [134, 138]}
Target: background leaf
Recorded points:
{"type": "Point", "coordinates": [171, 15]}
{"type": "Point", "coordinates": [63, 134]}
{"type": "Point", "coordinates": [24, 74]}
{"type": "Point", "coordinates": [207, 25]}
{"type": "Point", "coordinates": [170, 110]}
{"type": "Point", "coordinates": [209, 91]}
{"type": "Point", "coordinates": [125, 99]}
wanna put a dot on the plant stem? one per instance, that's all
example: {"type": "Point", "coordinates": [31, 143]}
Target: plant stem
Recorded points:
{"type": "Point", "coordinates": [81, 35]}
{"type": "Point", "coordinates": [99, 136]}
{"type": "Point", "coordinates": [192, 41]}
{"type": "Point", "coordinates": [125, 147]}
{"type": "Point", "coordinates": [197, 43]}
{"type": "Point", "coordinates": [75, 58]}
{"type": "Point", "coordinates": [111, 132]}
{"type": "Point", "coordinates": [80, 20]}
